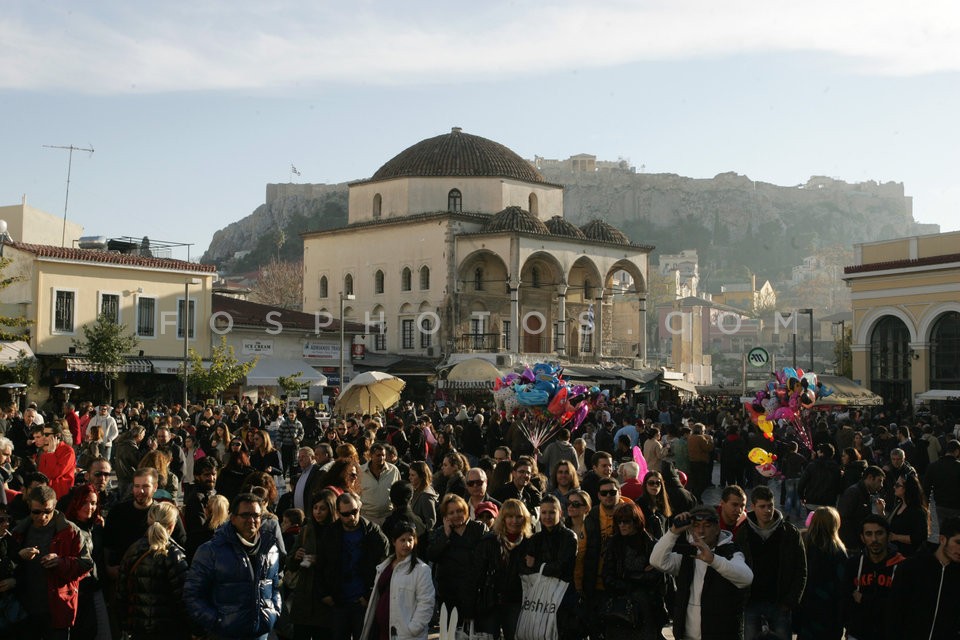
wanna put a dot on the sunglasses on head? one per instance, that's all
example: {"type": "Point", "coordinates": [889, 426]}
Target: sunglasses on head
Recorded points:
{"type": "Point", "coordinates": [608, 492]}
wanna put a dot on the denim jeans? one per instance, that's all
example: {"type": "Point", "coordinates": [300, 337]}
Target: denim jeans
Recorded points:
{"type": "Point", "coordinates": [780, 621]}
{"type": "Point", "coordinates": [791, 502]}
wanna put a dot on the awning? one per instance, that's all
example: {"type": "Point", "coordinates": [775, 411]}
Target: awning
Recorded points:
{"type": "Point", "coordinates": [132, 365]}
{"type": "Point", "coordinates": [944, 395]}
{"type": "Point", "coordinates": [465, 384]}
{"type": "Point", "coordinates": [10, 351]}
{"type": "Point", "coordinates": [682, 385]}
{"type": "Point", "coordinates": [268, 369]}
{"type": "Point", "coordinates": [172, 367]}
{"type": "Point", "coordinates": [592, 376]}
{"type": "Point", "coordinates": [640, 376]}
{"type": "Point", "coordinates": [846, 393]}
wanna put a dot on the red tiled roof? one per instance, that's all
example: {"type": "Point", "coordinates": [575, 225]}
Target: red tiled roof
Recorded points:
{"type": "Point", "coordinates": [110, 257]}
{"type": "Point", "coordinates": [254, 314]}
{"type": "Point", "coordinates": [901, 264]}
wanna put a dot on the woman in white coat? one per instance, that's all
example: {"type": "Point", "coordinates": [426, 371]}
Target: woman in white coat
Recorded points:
{"type": "Point", "coordinates": [403, 596]}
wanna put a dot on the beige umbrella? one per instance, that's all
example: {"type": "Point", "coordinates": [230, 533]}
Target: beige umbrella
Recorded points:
{"type": "Point", "coordinates": [474, 370]}
{"type": "Point", "coordinates": [368, 392]}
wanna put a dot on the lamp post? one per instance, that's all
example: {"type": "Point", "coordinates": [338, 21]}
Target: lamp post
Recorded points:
{"type": "Point", "coordinates": [16, 389]}
{"type": "Point", "coordinates": [843, 346]}
{"type": "Point", "coordinates": [186, 334]}
{"type": "Point", "coordinates": [67, 389]}
{"type": "Point", "coordinates": [643, 330]}
{"type": "Point", "coordinates": [810, 312]}
{"type": "Point", "coordinates": [343, 297]}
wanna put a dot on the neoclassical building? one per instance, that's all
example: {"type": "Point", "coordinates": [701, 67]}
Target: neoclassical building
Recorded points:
{"type": "Point", "coordinates": [458, 245]}
{"type": "Point", "coordinates": [906, 317]}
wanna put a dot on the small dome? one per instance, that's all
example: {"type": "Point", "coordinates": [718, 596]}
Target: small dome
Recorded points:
{"type": "Point", "coordinates": [458, 154]}
{"type": "Point", "coordinates": [558, 226]}
{"type": "Point", "coordinates": [600, 230]}
{"type": "Point", "coordinates": [515, 219]}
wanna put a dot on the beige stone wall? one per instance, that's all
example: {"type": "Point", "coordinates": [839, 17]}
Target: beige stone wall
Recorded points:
{"type": "Point", "coordinates": [34, 226]}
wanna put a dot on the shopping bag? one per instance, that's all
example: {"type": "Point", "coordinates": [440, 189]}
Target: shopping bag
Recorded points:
{"type": "Point", "coordinates": [541, 601]}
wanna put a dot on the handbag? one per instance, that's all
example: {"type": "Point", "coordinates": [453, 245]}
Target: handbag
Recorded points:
{"type": "Point", "coordinates": [621, 609]}
{"type": "Point", "coordinates": [541, 601]}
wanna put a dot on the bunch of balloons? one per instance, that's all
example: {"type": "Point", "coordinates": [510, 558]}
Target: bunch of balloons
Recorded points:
{"type": "Point", "coordinates": [547, 400]}
{"type": "Point", "coordinates": [784, 399]}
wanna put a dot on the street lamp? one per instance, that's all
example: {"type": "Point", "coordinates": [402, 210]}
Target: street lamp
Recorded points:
{"type": "Point", "coordinates": [343, 297]}
{"type": "Point", "coordinates": [643, 330]}
{"type": "Point", "coordinates": [16, 389]}
{"type": "Point", "coordinates": [67, 389]}
{"type": "Point", "coordinates": [186, 334]}
{"type": "Point", "coordinates": [843, 346]}
{"type": "Point", "coordinates": [810, 312]}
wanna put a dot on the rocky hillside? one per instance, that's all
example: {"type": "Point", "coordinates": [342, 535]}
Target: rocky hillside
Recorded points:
{"type": "Point", "coordinates": [731, 220]}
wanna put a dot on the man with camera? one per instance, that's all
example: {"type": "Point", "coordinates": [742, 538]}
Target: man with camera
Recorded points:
{"type": "Point", "coordinates": [712, 576]}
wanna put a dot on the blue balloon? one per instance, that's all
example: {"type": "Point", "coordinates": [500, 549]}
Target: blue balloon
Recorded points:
{"type": "Point", "coordinates": [532, 397]}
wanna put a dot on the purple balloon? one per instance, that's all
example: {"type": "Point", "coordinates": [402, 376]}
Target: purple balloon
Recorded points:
{"type": "Point", "coordinates": [580, 414]}
{"type": "Point", "coordinates": [527, 375]}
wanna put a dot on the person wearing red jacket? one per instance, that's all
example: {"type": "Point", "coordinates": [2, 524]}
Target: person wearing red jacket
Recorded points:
{"type": "Point", "coordinates": [73, 423]}
{"type": "Point", "coordinates": [52, 559]}
{"type": "Point", "coordinates": [56, 460]}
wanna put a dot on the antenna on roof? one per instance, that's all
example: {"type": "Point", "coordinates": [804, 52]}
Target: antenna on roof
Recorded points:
{"type": "Point", "coordinates": [71, 148]}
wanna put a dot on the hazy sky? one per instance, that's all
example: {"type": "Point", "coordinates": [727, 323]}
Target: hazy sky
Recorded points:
{"type": "Point", "coordinates": [195, 107]}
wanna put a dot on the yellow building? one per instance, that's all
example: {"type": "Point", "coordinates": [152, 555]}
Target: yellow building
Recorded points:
{"type": "Point", "coordinates": [906, 317]}
{"type": "Point", "coordinates": [62, 289]}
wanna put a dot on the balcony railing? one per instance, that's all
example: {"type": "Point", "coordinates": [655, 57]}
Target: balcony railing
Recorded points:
{"type": "Point", "coordinates": [479, 342]}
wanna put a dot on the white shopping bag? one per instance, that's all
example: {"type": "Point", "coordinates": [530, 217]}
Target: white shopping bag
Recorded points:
{"type": "Point", "coordinates": [541, 601]}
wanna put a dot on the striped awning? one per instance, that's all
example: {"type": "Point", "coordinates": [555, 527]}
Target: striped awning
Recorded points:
{"type": "Point", "coordinates": [465, 384]}
{"type": "Point", "coordinates": [132, 365]}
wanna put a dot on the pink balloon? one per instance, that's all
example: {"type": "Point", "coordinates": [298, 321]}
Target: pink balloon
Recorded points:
{"type": "Point", "coordinates": [683, 478]}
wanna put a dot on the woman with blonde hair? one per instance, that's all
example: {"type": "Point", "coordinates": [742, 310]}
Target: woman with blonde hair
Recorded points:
{"type": "Point", "coordinates": [820, 613]}
{"type": "Point", "coordinates": [168, 485]}
{"type": "Point", "coordinates": [500, 559]}
{"type": "Point", "coordinates": [265, 458]}
{"type": "Point", "coordinates": [150, 586]}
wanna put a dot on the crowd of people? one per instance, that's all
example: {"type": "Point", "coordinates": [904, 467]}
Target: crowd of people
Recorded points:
{"type": "Point", "coordinates": [260, 520]}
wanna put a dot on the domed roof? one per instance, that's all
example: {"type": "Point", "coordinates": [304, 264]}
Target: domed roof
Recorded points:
{"type": "Point", "coordinates": [515, 219]}
{"type": "Point", "coordinates": [558, 226]}
{"type": "Point", "coordinates": [458, 154]}
{"type": "Point", "coordinates": [600, 230]}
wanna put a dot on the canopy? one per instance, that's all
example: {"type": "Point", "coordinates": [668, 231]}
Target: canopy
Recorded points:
{"type": "Point", "coordinates": [474, 370]}
{"type": "Point", "coordinates": [939, 394]}
{"type": "Point", "coordinates": [10, 351]}
{"type": "Point", "coordinates": [847, 393]}
{"type": "Point", "coordinates": [682, 386]}
{"type": "Point", "coordinates": [268, 369]}
{"type": "Point", "coordinates": [368, 392]}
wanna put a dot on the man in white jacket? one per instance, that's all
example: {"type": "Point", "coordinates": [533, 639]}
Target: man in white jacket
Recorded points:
{"type": "Point", "coordinates": [108, 423]}
{"type": "Point", "coordinates": [712, 576]}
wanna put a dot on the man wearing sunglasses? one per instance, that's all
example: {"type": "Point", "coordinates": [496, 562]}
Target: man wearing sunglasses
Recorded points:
{"type": "Point", "coordinates": [599, 527]}
{"type": "Point", "coordinates": [56, 459]}
{"type": "Point", "coordinates": [352, 548]}
{"type": "Point", "coordinates": [477, 491]}
{"type": "Point", "coordinates": [232, 589]}
{"type": "Point", "coordinates": [51, 559]}
{"type": "Point", "coordinates": [712, 576]}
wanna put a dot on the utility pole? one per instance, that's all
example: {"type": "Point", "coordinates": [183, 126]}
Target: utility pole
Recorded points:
{"type": "Point", "coordinates": [71, 149]}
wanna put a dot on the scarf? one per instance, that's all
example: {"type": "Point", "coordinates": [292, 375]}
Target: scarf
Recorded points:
{"type": "Point", "coordinates": [507, 544]}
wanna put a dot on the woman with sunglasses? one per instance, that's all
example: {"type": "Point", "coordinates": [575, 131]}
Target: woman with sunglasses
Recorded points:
{"type": "Point", "coordinates": [633, 605]}
{"type": "Point", "coordinates": [578, 506]}
{"type": "Point", "coordinates": [565, 481]}
{"type": "Point", "coordinates": [231, 477]}
{"type": "Point", "coordinates": [342, 476]}
{"type": "Point", "coordinates": [910, 517]}
{"type": "Point", "coordinates": [655, 504]}
{"type": "Point", "coordinates": [83, 510]}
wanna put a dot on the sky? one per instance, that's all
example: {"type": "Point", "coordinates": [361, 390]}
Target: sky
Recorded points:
{"type": "Point", "coordinates": [193, 107]}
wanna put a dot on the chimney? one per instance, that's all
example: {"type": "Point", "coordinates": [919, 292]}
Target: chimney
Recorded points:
{"type": "Point", "coordinates": [456, 130]}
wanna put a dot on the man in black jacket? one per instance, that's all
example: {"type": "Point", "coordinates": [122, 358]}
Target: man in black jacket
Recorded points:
{"type": "Point", "coordinates": [819, 484]}
{"type": "Point", "coordinates": [521, 489]}
{"type": "Point", "coordinates": [942, 482]}
{"type": "Point", "coordinates": [352, 548]}
{"type": "Point", "coordinates": [774, 551]}
{"type": "Point", "coordinates": [870, 576]}
{"type": "Point", "coordinates": [857, 502]}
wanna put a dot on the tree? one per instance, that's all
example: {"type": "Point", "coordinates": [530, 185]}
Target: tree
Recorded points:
{"type": "Point", "coordinates": [105, 345]}
{"type": "Point", "coordinates": [22, 369]}
{"type": "Point", "coordinates": [224, 371]}
{"type": "Point", "coordinates": [9, 324]}
{"type": "Point", "coordinates": [280, 284]}
{"type": "Point", "coordinates": [841, 352]}
{"type": "Point", "coordinates": [292, 384]}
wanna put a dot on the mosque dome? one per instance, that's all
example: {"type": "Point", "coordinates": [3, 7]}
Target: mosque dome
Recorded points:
{"type": "Point", "coordinates": [603, 232]}
{"type": "Point", "coordinates": [515, 219]}
{"type": "Point", "coordinates": [458, 154]}
{"type": "Point", "coordinates": [559, 226]}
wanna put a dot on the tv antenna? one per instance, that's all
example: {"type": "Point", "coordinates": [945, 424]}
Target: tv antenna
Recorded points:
{"type": "Point", "coordinates": [66, 201]}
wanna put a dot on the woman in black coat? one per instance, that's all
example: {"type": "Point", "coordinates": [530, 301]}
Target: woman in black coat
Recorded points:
{"type": "Point", "coordinates": [453, 546]}
{"type": "Point", "coordinates": [150, 586]}
{"type": "Point", "coordinates": [555, 548]}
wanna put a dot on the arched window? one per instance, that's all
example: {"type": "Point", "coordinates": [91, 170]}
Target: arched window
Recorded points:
{"type": "Point", "coordinates": [424, 278]}
{"type": "Point", "coordinates": [454, 201]}
{"type": "Point", "coordinates": [378, 281]}
{"type": "Point", "coordinates": [323, 287]}
{"type": "Point", "coordinates": [478, 279]}
{"type": "Point", "coordinates": [533, 206]}
{"type": "Point", "coordinates": [535, 277]}
{"type": "Point", "coordinates": [945, 352]}
{"type": "Point", "coordinates": [405, 279]}
{"type": "Point", "coordinates": [348, 285]}
{"type": "Point", "coordinates": [377, 204]}
{"type": "Point", "coordinates": [890, 360]}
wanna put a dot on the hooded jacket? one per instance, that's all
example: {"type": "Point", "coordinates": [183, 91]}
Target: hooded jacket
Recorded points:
{"type": "Point", "coordinates": [64, 579]}
{"type": "Point", "coordinates": [150, 590]}
{"type": "Point", "coordinates": [230, 593]}
{"type": "Point", "coordinates": [924, 599]}
{"type": "Point", "coordinates": [788, 562]}
{"type": "Point", "coordinates": [412, 598]}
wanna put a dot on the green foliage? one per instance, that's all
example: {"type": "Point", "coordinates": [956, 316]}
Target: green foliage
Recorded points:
{"type": "Point", "coordinates": [23, 369]}
{"type": "Point", "coordinates": [292, 383]}
{"type": "Point", "coordinates": [842, 355]}
{"type": "Point", "coordinates": [8, 322]}
{"type": "Point", "coordinates": [106, 346]}
{"type": "Point", "coordinates": [224, 371]}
